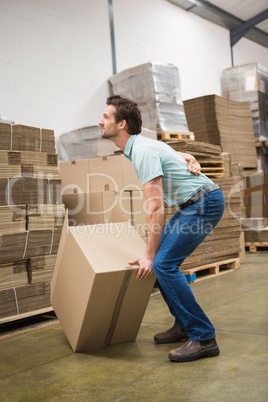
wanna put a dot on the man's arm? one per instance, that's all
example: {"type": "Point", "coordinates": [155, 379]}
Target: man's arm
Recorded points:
{"type": "Point", "coordinates": [153, 193]}
{"type": "Point", "coordinates": [193, 166]}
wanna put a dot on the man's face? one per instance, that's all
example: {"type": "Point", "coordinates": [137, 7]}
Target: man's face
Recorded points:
{"type": "Point", "coordinates": [110, 128]}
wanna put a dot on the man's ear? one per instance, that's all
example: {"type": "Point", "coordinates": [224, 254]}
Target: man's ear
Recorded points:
{"type": "Point", "coordinates": [123, 124]}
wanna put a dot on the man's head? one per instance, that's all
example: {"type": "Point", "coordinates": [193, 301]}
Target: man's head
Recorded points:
{"type": "Point", "coordinates": [128, 110]}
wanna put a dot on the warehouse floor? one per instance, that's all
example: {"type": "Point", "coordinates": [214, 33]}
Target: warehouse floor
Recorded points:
{"type": "Point", "coordinates": [37, 364]}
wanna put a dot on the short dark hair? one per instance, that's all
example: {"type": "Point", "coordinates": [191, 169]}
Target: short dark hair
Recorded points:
{"type": "Point", "coordinates": [127, 109]}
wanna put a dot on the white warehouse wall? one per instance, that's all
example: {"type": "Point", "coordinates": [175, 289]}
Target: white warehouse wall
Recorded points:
{"type": "Point", "coordinates": [55, 55]}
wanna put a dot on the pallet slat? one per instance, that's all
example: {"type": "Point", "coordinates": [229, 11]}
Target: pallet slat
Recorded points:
{"type": "Point", "coordinates": [257, 246]}
{"type": "Point", "coordinates": [214, 269]}
{"type": "Point", "coordinates": [175, 136]}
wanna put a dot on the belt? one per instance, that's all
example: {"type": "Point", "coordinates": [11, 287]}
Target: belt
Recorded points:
{"type": "Point", "coordinates": [199, 195]}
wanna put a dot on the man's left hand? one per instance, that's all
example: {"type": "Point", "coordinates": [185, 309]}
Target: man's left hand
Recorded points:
{"type": "Point", "coordinates": [145, 269]}
{"type": "Point", "coordinates": [193, 166]}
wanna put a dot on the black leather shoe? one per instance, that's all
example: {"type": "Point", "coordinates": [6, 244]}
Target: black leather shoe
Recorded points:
{"type": "Point", "coordinates": [174, 334]}
{"type": "Point", "coordinates": [194, 350]}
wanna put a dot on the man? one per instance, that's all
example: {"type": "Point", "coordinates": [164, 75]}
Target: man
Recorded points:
{"type": "Point", "coordinates": [174, 178]}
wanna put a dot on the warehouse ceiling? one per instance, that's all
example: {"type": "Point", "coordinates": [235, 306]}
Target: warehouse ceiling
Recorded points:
{"type": "Point", "coordinates": [243, 18]}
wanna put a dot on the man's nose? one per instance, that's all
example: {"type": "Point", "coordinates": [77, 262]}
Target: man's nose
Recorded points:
{"type": "Point", "coordinates": [101, 122]}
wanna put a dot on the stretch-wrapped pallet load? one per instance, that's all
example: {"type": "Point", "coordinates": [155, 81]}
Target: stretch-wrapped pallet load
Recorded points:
{"type": "Point", "coordinates": [157, 90]}
{"type": "Point", "coordinates": [226, 123]}
{"type": "Point", "coordinates": [83, 143]}
{"type": "Point", "coordinates": [31, 218]}
{"type": "Point", "coordinates": [249, 83]}
{"type": "Point", "coordinates": [87, 142]}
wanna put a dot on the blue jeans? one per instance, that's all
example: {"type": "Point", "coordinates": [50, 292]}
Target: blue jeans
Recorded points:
{"type": "Point", "coordinates": [184, 232]}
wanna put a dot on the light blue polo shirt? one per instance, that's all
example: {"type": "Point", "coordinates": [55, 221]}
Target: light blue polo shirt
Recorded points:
{"type": "Point", "coordinates": [152, 158]}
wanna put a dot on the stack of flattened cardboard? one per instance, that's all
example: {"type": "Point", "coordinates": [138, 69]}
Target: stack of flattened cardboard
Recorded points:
{"type": "Point", "coordinates": [31, 214]}
{"type": "Point", "coordinates": [28, 164]}
{"type": "Point", "coordinates": [157, 90]}
{"type": "Point", "coordinates": [17, 137]}
{"type": "Point", "coordinates": [219, 121]}
{"type": "Point", "coordinates": [208, 155]}
{"type": "Point", "coordinates": [23, 299]}
{"type": "Point", "coordinates": [249, 83]}
{"type": "Point", "coordinates": [40, 269]}
{"type": "Point", "coordinates": [12, 220]}
{"type": "Point", "coordinates": [256, 200]}
{"type": "Point", "coordinates": [13, 274]}
{"type": "Point", "coordinates": [224, 242]}
{"type": "Point", "coordinates": [256, 195]}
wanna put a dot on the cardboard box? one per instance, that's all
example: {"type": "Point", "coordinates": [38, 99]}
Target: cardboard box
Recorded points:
{"type": "Point", "coordinates": [139, 215]}
{"type": "Point", "coordinates": [94, 293]}
{"type": "Point", "coordinates": [74, 176]}
{"type": "Point", "coordinates": [104, 173]}
{"type": "Point", "coordinates": [113, 172]}
{"type": "Point", "coordinates": [98, 207]}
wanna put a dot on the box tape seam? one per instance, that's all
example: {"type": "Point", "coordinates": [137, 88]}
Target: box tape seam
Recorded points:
{"type": "Point", "coordinates": [118, 305]}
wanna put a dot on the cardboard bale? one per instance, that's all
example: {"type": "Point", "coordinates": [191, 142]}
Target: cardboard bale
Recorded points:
{"type": "Point", "coordinates": [23, 299]}
{"type": "Point", "coordinates": [29, 190]}
{"type": "Point", "coordinates": [17, 137]}
{"type": "Point", "coordinates": [45, 216]}
{"type": "Point", "coordinates": [94, 293]}
{"type": "Point", "coordinates": [40, 269]}
{"type": "Point", "coordinates": [13, 274]}
{"type": "Point", "coordinates": [12, 220]}
{"type": "Point", "coordinates": [219, 121]}
{"type": "Point", "coordinates": [256, 236]}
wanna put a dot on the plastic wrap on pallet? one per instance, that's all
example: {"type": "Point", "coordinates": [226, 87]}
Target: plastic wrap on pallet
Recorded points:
{"type": "Point", "coordinates": [157, 90]}
{"type": "Point", "coordinates": [87, 143]}
{"type": "Point", "coordinates": [160, 116]}
{"type": "Point", "coordinates": [249, 83]}
{"type": "Point", "coordinates": [83, 143]}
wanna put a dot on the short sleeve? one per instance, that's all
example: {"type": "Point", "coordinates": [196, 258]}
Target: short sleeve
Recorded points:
{"type": "Point", "coordinates": [147, 164]}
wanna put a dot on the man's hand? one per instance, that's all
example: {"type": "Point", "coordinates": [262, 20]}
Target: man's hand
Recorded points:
{"type": "Point", "coordinates": [193, 166]}
{"type": "Point", "coordinates": [145, 269]}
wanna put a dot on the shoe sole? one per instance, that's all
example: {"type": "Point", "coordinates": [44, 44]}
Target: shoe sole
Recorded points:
{"type": "Point", "coordinates": [170, 340]}
{"type": "Point", "coordinates": [212, 352]}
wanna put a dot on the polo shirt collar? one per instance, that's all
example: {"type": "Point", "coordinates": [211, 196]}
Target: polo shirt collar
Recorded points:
{"type": "Point", "coordinates": [129, 145]}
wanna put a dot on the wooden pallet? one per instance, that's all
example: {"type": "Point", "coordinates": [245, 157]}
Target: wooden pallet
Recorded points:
{"type": "Point", "coordinates": [175, 136]}
{"type": "Point", "coordinates": [256, 247]}
{"type": "Point", "coordinates": [211, 270]}
{"type": "Point", "coordinates": [25, 315]}
{"type": "Point", "coordinates": [261, 144]}
{"type": "Point", "coordinates": [213, 167]}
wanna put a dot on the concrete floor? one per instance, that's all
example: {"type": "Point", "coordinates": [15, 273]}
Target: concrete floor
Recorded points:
{"type": "Point", "coordinates": [39, 365]}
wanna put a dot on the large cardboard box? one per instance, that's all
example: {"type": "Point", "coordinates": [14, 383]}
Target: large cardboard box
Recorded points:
{"type": "Point", "coordinates": [94, 292]}
{"type": "Point", "coordinates": [75, 176]}
{"type": "Point", "coordinates": [98, 207]}
{"type": "Point", "coordinates": [104, 173]}
{"type": "Point", "coordinates": [139, 212]}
